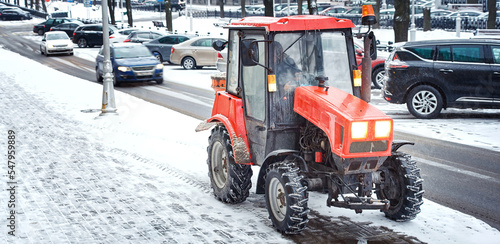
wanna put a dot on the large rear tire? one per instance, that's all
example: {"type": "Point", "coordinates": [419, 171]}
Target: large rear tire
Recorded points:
{"type": "Point", "coordinates": [286, 198]}
{"type": "Point", "coordinates": [231, 182]}
{"type": "Point", "coordinates": [402, 186]}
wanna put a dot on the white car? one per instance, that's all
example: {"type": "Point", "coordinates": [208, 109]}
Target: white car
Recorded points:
{"type": "Point", "coordinates": [56, 42]}
{"type": "Point", "coordinates": [121, 35]}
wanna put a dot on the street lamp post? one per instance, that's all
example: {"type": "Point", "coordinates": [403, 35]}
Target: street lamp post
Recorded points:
{"type": "Point", "coordinates": [108, 94]}
{"type": "Point", "coordinates": [413, 31]}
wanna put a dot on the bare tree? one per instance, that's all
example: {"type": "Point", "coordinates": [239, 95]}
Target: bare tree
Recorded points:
{"type": "Point", "coordinates": [243, 10]}
{"type": "Point", "coordinates": [221, 7]}
{"type": "Point", "coordinates": [299, 8]}
{"type": "Point", "coordinates": [111, 8]}
{"type": "Point", "coordinates": [168, 15]}
{"type": "Point", "coordinates": [269, 8]}
{"type": "Point", "coordinates": [44, 7]}
{"type": "Point", "coordinates": [128, 5]}
{"type": "Point", "coordinates": [401, 20]}
{"type": "Point", "coordinates": [492, 14]}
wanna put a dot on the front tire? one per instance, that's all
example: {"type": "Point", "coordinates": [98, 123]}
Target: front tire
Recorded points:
{"type": "Point", "coordinates": [286, 198]}
{"type": "Point", "coordinates": [378, 77]}
{"type": "Point", "coordinates": [424, 102]}
{"type": "Point", "coordinates": [82, 43]}
{"type": "Point", "coordinates": [158, 56]}
{"type": "Point", "coordinates": [188, 63]}
{"type": "Point", "coordinates": [231, 182]}
{"type": "Point", "coordinates": [402, 186]}
{"type": "Point", "coordinates": [98, 76]}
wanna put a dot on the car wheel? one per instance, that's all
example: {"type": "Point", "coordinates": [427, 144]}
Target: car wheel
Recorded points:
{"type": "Point", "coordinates": [41, 50]}
{"type": "Point", "coordinates": [115, 82]}
{"type": "Point", "coordinates": [98, 76]}
{"type": "Point", "coordinates": [159, 81]}
{"type": "Point", "coordinates": [378, 77]}
{"type": "Point", "coordinates": [158, 56]}
{"type": "Point", "coordinates": [188, 63]}
{"type": "Point", "coordinates": [40, 32]}
{"type": "Point", "coordinates": [82, 43]}
{"type": "Point", "coordinates": [424, 102]}
{"type": "Point", "coordinates": [174, 9]}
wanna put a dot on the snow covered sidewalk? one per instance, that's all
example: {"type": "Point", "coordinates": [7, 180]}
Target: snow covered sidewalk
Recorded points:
{"type": "Point", "coordinates": [141, 177]}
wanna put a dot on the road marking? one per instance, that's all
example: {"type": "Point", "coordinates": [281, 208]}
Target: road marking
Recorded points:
{"type": "Point", "coordinates": [455, 169]}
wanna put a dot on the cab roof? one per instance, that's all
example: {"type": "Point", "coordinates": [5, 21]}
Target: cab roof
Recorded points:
{"type": "Point", "coordinates": [293, 23]}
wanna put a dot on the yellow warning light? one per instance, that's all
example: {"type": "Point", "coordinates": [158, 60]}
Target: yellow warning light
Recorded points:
{"type": "Point", "coordinates": [271, 83]}
{"type": "Point", "coordinates": [356, 76]}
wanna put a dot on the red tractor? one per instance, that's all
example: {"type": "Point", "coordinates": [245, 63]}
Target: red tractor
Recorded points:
{"type": "Point", "coordinates": [291, 105]}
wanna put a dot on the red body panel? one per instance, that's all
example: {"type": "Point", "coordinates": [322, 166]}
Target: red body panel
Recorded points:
{"type": "Point", "coordinates": [228, 109]}
{"type": "Point", "coordinates": [330, 109]}
{"type": "Point", "coordinates": [294, 23]}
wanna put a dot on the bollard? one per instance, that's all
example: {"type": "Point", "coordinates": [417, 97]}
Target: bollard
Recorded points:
{"type": "Point", "coordinates": [458, 26]}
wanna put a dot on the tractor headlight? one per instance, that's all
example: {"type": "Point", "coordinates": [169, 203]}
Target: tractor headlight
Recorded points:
{"type": "Point", "coordinates": [159, 66]}
{"type": "Point", "coordinates": [383, 129]}
{"type": "Point", "coordinates": [359, 130]}
{"type": "Point", "coordinates": [124, 68]}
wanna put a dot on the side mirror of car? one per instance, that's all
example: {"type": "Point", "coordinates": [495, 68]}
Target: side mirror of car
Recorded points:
{"type": "Point", "coordinates": [219, 45]}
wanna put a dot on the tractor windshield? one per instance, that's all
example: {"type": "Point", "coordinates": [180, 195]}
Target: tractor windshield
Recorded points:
{"type": "Point", "coordinates": [311, 54]}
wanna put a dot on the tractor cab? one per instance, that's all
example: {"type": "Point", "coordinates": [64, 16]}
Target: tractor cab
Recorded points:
{"type": "Point", "coordinates": [270, 57]}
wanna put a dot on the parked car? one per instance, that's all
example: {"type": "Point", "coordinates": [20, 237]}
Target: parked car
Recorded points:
{"type": "Point", "coordinates": [175, 5]}
{"type": "Point", "coordinates": [465, 14]}
{"type": "Point", "coordinates": [334, 10]}
{"type": "Point", "coordinates": [56, 42]}
{"type": "Point", "coordinates": [90, 35]}
{"type": "Point", "coordinates": [195, 53]}
{"type": "Point", "coordinates": [68, 27]}
{"type": "Point", "coordinates": [46, 25]}
{"type": "Point", "coordinates": [121, 35]}
{"type": "Point", "coordinates": [162, 47]}
{"type": "Point", "coordinates": [141, 36]}
{"type": "Point", "coordinates": [131, 62]}
{"type": "Point", "coordinates": [378, 65]}
{"type": "Point", "coordinates": [431, 75]}
{"type": "Point", "coordinates": [221, 63]}
{"type": "Point", "coordinates": [14, 14]}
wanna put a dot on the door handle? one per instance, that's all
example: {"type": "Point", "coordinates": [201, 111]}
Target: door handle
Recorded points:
{"type": "Point", "coordinates": [446, 70]}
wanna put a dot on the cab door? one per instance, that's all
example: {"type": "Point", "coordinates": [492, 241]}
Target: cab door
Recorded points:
{"type": "Point", "coordinates": [253, 81]}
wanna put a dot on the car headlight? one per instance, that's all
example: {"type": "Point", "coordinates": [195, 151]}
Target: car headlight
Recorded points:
{"type": "Point", "coordinates": [124, 68]}
{"type": "Point", "coordinates": [359, 130]}
{"type": "Point", "coordinates": [159, 66]}
{"type": "Point", "coordinates": [383, 129]}
{"type": "Point", "coordinates": [51, 46]}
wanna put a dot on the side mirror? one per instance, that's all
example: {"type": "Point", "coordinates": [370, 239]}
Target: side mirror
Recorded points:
{"type": "Point", "coordinates": [219, 45]}
{"type": "Point", "coordinates": [43, 40]}
{"type": "Point", "coordinates": [249, 52]}
{"type": "Point", "coordinates": [373, 46]}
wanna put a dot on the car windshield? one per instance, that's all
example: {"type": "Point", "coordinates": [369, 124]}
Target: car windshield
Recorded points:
{"type": "Point", "coordinates": [314, 53]}
{"type": "Point", "coordinates": [57, 36]}
{"type": "Point", "coordinates": [131, 52]}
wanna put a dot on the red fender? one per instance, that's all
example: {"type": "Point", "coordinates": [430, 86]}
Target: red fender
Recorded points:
{"type": "Point", "coordinates": [228, 110]}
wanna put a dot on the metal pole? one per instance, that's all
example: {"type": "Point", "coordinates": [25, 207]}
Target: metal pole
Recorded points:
{"type": "Point", "coordinates": [108, 94]}
{"type": "Point", "coordinates": [366, 70]}
{"type": "Point", "coordinates": [191, 15]}
{"type": "Point", "coordinates": [413, 31]}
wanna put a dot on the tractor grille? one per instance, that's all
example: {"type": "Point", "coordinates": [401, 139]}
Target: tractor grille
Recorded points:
{"type": "Point", "coordinates": [368, 146]}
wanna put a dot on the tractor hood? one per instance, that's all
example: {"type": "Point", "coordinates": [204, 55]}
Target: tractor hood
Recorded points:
{"type": "Point", "coordinates": [354, 127]}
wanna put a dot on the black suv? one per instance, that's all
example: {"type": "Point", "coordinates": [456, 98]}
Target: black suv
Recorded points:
{"type": "Point", "coordinates": [90, 35]}
{"type": "Point", "coordinates": [431, 75]}
{"type": "Point", "coordinates": [45, 26]}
